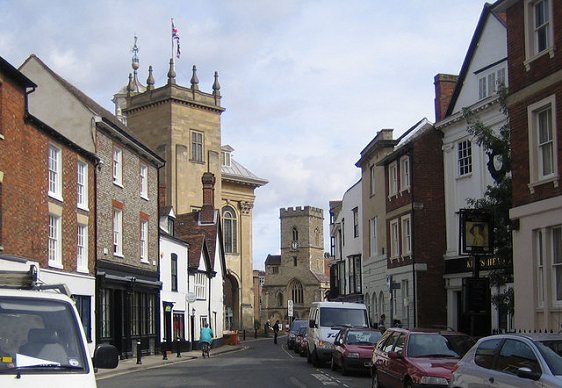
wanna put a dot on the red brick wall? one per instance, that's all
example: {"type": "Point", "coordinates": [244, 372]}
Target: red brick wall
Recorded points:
{"type": "Point", "coordinates": [25, 202]}
{"type": "Point", "coordinates": [519, 76]}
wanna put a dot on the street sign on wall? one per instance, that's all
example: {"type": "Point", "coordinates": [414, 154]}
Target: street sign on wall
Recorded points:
{"type": "Point", "coordinates": [290, 307]}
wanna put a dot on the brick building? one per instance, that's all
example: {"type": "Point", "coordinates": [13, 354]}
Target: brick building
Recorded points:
{"type": "Point", "coordinates": [126, 186]}
{"type": "Point", "coordinates": [534, 36]}
{"type": "Point", "coordinates": [47, 204]}
{"type": "Point", "coordinates": [415, 222]}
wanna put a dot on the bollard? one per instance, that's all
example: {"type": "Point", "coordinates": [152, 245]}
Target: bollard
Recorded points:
{"type": "Point", "coordinates": [244, 334]}
{"type": "Point", "coordinates": [164, 352]}
{"type": "Point", "coordinates": [139, 355]}
{"type": "Point", "coordinates": [179, 347]}
{"type": "Point", "coordinates": [255, 333]}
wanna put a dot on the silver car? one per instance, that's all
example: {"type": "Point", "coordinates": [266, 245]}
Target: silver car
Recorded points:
{"type": "Point", "coordinates": [511, 360]}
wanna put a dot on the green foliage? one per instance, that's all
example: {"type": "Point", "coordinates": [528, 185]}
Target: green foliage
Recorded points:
{"type": "Point", "coordinates": [497, 197]}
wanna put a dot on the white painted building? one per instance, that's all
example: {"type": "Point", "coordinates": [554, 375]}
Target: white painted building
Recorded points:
{"type": "Point", "coordinates": [465, 162]}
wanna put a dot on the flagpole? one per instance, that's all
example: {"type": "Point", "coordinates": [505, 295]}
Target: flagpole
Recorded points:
{"type": "Point", "coordinates": [172, 20]}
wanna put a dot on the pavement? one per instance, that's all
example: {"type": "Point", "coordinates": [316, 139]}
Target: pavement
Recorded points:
{"type": "Point", "coordinates": [130, 365]}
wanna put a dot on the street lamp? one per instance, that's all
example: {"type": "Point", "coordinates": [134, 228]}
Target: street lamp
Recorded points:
{"type": "Point", "coordinates": [192, 328]}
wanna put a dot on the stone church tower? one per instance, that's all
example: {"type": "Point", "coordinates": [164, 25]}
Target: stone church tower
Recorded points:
{"type": "Point", "coordinates": [299, 273]}
{"type": "Point", "coordinates": [183, 125]}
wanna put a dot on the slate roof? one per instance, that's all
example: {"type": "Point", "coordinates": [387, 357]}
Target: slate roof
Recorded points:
{"type": "Point", "coordinates": [238, 173]}
{"type": "Point", "coordinates": [273, 260]}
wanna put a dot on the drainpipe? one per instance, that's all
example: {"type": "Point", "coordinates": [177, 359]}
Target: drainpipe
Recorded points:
{"type": "Point", "coordinates": [413, 223]}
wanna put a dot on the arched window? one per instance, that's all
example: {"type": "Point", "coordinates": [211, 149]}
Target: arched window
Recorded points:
{"type": "Point", "coordinates": [317, 237]}
{"type": "Point", "coordinates": [230, 230]}
{"type": "Point", "coordinates": [295, 234]}
{"type": "Point", "coordinates": [280, 300]}
{"type": "Point", "coordinates": [297, 292]}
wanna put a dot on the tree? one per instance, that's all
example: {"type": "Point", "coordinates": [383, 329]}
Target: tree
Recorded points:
{"type": "Point", "coordinates": [497, 197]}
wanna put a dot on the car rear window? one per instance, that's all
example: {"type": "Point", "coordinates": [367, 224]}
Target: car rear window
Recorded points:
{"type": "Point", "coordinates": [437, 345]}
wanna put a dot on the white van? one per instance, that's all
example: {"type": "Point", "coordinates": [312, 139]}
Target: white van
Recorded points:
{"type": "Point", "coordinates": [324, 323]}
{"type": "Point", "coordinates": [42, 341]}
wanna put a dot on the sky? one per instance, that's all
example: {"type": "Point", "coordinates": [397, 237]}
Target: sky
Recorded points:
{"type": "Point", "coordinates": [306, 84]}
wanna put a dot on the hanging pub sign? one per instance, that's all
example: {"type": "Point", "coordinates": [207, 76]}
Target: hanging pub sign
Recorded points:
{"type": "Point", "coordinates": [476, 232]}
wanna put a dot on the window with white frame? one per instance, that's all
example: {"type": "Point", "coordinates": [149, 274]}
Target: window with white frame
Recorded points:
{"type": "Point", "coordinates": [540, 266]}
{"type": "Point", "coordinates": [200, 285]}
{"type": "Point", "coordinates": [373, 232]}
{"type": "Point", "coordinates": [55, 172]}
{"type": "Point", "coordinates": [539, 30]}
{"type": "Point", "coordinates": [464, 157]}
{"type": "Point", "coordinates": [372, 180]}
{"type": "Point", "coordinates": [406, 235]}
{"type": "Point", "coordinates": [226, 158]}
{"type": "Point", "coordinates": [196, 146]}
{"type": "Point", "coordinates": [143, 176]}
{"type": "Point", "coordinates": [490, 81]}
{"type": "Point", "coordinates": [144, 241]}
{"type": "Point", "coordinates": [405, 173]}
{"type": "Point", "coordinates": [543, 163]}
{"type": "Point", "coordinates": [394, 239]}
{"type": "Point", "coordinates": [82, 248]}
{"type": "Point", "coordinates": [55, 241]}
{"type": "Point", "coordinates": [117, 166]}
{"type": "Point", "coordinates": [117, 232]}
{"type": "Point", "coordinates": [556, 238]}
{"type": "Point", "coordinates": [392, 179]}
{"type": "Point", "coordinates": [82, 185]}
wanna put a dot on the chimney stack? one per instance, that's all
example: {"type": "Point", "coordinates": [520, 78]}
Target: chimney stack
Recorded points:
{"type": "Point", "coordinates": [444, 88]}
{"type": "Point", "coordinates": [208, 210]}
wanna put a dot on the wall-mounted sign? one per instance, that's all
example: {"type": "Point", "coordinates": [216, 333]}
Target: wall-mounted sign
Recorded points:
{"type": "Point", "coordinates": [476, 232]}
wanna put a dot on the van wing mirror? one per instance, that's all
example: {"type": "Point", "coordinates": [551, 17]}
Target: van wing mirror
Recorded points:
{"type": "Point", "coordinates": [106, 356]}
{"type": "Point", "coordinates": [311, 324]}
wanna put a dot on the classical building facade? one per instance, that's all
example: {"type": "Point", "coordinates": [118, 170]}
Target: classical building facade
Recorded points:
{"type": "Point", "coordinates": [183, 125]}
{"type": "Point", "coordinates": [299, 273]}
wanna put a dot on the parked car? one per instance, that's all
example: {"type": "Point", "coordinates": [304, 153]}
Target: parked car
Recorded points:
{"type": "Point", "coordinates": [512, 360]}
{"type": "Point", "coordinates": [300, 341]}
{"type": "Point", "coordinates": [297, 323]}
{"type": "Point", "coordinates": [417, 357]}
{"type": "Point", "coordinates": [353, 348]}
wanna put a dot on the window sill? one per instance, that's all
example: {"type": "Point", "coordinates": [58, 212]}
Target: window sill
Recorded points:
{"type": "Point", "coordinates": [119, 255]}
{"type": "Point", "coordinates": [82, 270]}
{"type": "Point", "coordinates": [144, 197]}
{"type": "Point", "coordinates": [145, 261]}
{"type": "Point", "coordinates": [554, 179]}
{"type": "Point", "coordinates": [118, 184]}
{"type": "Point", "coordinates": [83, 208]}
{"type": "Point", "coordinates": [56, 265]}
{"type": "Point", "coordinates": [465, 176]}
{"type": "Point", "coordinates": [56, 197]}
{"type": "Point", "coordinates": [528, 62]}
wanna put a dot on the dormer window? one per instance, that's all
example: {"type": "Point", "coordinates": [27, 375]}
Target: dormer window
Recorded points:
{"type": "Point", "coordinates": [226, 161]}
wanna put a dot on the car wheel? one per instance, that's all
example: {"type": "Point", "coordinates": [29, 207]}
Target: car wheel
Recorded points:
{"type": "Point", "coordinates": [407, 384]}
{"type": "Point", "coordinates": [333, 365]}
{"type": "Point", "coordinates": [314, 358]}
{"type": "Point", "coordinates": [375, 379]}
{"type": "Point", "coordinates": [308, 359]}
{"type": "Point", "coordinates": [344, 370]}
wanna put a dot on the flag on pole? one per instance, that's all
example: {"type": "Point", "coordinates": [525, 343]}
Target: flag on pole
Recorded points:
{"type": "Point", "coordinates": [176, 37]}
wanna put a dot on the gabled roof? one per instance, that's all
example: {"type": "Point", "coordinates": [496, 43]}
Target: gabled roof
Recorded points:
{"type": "Point", "coordinates": [108, 118]}
{"type": "Point", "coordinates": [15, 74]}
{"type": "Point", "coordinates": [273, 260]}
{"type": "Point", "coordinates": [407, 138]}
{"type": "Point", "coordinates": [202, 238]}
{"type": "Point", "coordinates": [486, 12]}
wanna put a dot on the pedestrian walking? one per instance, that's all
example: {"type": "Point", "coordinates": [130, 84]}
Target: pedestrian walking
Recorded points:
{"type": "Point", "coordinates": [275, 331]}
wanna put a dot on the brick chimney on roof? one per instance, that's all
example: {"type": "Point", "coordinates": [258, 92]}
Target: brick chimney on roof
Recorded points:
{"type": "Point", "coordinates": [444, 88]}
{"type": "Point", "coordinates": [207, 215]}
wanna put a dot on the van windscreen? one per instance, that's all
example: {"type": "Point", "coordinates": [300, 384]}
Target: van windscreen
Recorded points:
{"type": "Point", "coordinates": [333, 317]}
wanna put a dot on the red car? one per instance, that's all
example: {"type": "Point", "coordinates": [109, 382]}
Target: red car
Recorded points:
{"type": "Point", "coordinates": [353, 348]}
{"type": "Point", "coordinates": [417, 358]}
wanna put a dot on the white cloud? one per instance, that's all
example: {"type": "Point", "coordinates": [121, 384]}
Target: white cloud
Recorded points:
{"type": "Point", "coordinates": [306, 84]}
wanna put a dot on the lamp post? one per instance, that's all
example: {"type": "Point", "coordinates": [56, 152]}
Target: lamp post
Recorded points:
{"type": "Point", "coordinates": [192, 328]}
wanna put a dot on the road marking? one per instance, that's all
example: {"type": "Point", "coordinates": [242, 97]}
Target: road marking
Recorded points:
{"type": "Point", "coordinates": [324, 379]}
